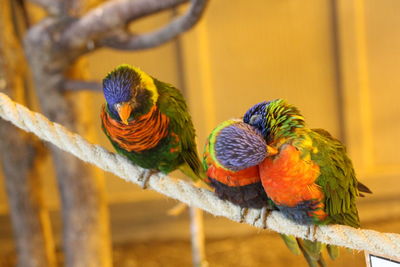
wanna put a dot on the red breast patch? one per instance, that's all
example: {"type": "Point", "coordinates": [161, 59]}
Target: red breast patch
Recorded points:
{"type": "Point", "coordinates": [288, 179]}
{"type": "Point", "coordinates": [140, 134]}
{"type": "Point", "coordinates": [239, 178]}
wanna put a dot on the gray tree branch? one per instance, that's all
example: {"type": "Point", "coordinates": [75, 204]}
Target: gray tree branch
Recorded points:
{"type": "Point", "coordinates": [74, 85]}
{"type": "Point", "coordinates": [109, 17]}
{"type": "Point", "coordinates": [127, 41]}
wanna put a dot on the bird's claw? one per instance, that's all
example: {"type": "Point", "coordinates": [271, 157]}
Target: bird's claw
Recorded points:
{"type": "Point", "coordinates": [243, 213]}
{"type": "Point", "coordinates": [311, 230]}
{"type": "Point", "coordinates": [144, 178]}
{"type": "Point", "coordinates": [264, 214]}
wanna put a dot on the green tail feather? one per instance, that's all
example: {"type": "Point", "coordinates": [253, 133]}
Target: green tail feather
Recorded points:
{"type": "Point", "coordinates": [311, 250]}
{"type": "Point", "coordinates": [321, 262]}
{"type": "Point", "coordinates": [188, 171]}
{"type": "Point", "coordinates": [312, 247]}
{"type": "Point", "coordinates": [333, 251]}
{"type": "Point", "coordinates": [291, 243]}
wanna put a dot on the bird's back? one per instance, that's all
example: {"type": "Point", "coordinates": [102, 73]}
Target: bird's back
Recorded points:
{"type": "Point", "coordinates": [337, 178]}
{"type": "Point", "coordinates": [173, 105]}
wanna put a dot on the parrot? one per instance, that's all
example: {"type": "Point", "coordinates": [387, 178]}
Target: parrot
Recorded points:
{"type": "Point", "coordinates": [147, 121]}
{"type": "Point", "coordinates": [231, 156]}
{"type": "Point", "coordinates": [311, 180]}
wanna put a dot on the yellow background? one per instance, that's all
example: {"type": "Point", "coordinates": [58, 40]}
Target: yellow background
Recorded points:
{"type": "Point", "coordinates": [338, 61]}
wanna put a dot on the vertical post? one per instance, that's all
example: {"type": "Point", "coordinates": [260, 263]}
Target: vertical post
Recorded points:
{"type": "Point", "coordinates": [197, 237]}
{"type": "Point", "coordinates": [20, 154]}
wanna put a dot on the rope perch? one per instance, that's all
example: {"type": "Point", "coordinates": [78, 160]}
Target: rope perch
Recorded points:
{"type": "Point", "coordinates": [358, 239]}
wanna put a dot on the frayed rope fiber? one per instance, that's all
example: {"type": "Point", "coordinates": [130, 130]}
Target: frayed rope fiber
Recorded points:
{"type": "Point", "coordinates": [358, 239]}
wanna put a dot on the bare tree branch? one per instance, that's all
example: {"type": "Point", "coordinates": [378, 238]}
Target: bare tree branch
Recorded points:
{"type": "Point", "coordinates": [127, 41]}
{"type": "Point", "coordinates": [74, 85]}
{"type": "Point", "coordinates": [111, 16]}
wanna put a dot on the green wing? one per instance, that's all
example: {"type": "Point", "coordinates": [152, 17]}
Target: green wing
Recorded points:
{"type": "Point", "coordinates": [172, 104]}
{"type": "Point", "coordinates": [337, 179]}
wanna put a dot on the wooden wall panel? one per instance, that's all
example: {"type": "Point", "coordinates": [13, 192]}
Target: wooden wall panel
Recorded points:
{"type": "Point", "coordinates": [244, 53]}
{"type": "Point", "coordinates": [370, 57]}
{"type": "Point", "coordinates": [369, 54]}
{"type": "Point", "coordinates": [383, 53]}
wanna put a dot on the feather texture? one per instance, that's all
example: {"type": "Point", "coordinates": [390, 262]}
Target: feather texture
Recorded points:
{"type": "Point", "coordinates": [159, 134]}
{"type": "Point", "coordinates": [231, 157]}
{"type": "Point", "coordinates": [311, 180]}
{"type": "Point", "coordinates": [312, 168]}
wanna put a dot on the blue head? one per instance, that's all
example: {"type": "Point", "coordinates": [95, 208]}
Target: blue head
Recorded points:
{"type": "Point", "coordinates": [129, 90]}
{"type": "Point", "coordinates": [256, 117]}
{"type": "Point", "coordinates": [274, 119]}
{"type": "Point", "coordinates": [239, 146]}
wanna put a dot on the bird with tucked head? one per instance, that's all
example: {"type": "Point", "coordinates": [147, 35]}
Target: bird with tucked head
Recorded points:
{"type": "Point", "coordinates": [147, 121]}
{"type": "Point", "coordinates": [311, 179]}
{"type": "Point", "coordinates": [231, 156]}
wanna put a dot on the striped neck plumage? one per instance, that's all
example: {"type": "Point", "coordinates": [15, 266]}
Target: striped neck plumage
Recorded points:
{"type": "Point", "coordinates": [283, 120]}
{"type": "Point", "coordinates": [142, 133]}
{"type": "Point", "coordinates": [146, 81]}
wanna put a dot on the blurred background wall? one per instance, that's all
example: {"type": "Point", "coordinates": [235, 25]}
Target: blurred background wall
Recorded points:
{"type": "Point", "coordinates": [336, 60]}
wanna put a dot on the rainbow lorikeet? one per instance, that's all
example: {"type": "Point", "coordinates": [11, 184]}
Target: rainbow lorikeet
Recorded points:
{"type": "Point", "coordinates": [147, 121]}
{"type": "Point", "coordinates": [231, 157]}
{"type": "Point", "coordinates": [311, 179]}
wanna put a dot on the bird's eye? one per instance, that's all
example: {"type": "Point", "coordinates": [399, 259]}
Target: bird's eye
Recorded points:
{"type": "Point", "coordinates": [255, 119]}
{"type": "Point", "coordinates": [117, 106]}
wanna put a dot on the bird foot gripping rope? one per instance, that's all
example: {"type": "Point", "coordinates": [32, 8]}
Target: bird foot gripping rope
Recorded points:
{"type": "Point", "coordinates": [144, 178]}
{"type": "Point", "coordinates": [358, 239]}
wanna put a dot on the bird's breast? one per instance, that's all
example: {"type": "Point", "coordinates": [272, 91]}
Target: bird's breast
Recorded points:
{"type": "Point", "coordinates": [142, 133]}
{"type": "Point", "coordinates": [239, 178]}
{"type": "Point", "coordinates": [288, 179]}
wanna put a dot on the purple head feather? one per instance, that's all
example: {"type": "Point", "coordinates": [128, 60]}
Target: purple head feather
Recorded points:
{"type": "Point", "coordinates": [118, 84]}
{"type": "Point", "coordinates": [256, 117]}
{"type": "Point", "coordinates": [240, 146]}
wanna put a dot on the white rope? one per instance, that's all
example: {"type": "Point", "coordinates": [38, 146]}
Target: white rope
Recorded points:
{"type": "Point", "coordinates": [359, 239]}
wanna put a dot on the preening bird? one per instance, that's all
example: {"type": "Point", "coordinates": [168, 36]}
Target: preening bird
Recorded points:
{"type": "Point", "coordinates": [147, 121]}
{"type": "Point", "coordinates": [311, 179]}
{"type": "Point", "coordinates": [231, 156]}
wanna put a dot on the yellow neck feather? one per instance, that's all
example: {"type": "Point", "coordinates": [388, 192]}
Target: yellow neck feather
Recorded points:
{"type": "Point", "coordinates": [148, 83]}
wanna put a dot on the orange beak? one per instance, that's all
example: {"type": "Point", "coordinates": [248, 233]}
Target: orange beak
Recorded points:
{"type": "Point", "coordinates": [124, 112]}
{"type": "Point", "coordinates": [272, 150]}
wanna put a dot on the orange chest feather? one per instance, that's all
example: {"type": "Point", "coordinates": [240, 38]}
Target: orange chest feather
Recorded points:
{"type": "Point", "coordinates": [140, 134]}
{"type": "Point", "coordinates": [288, 179]}
{"type": "Point", "coordinates": [239, 178]}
